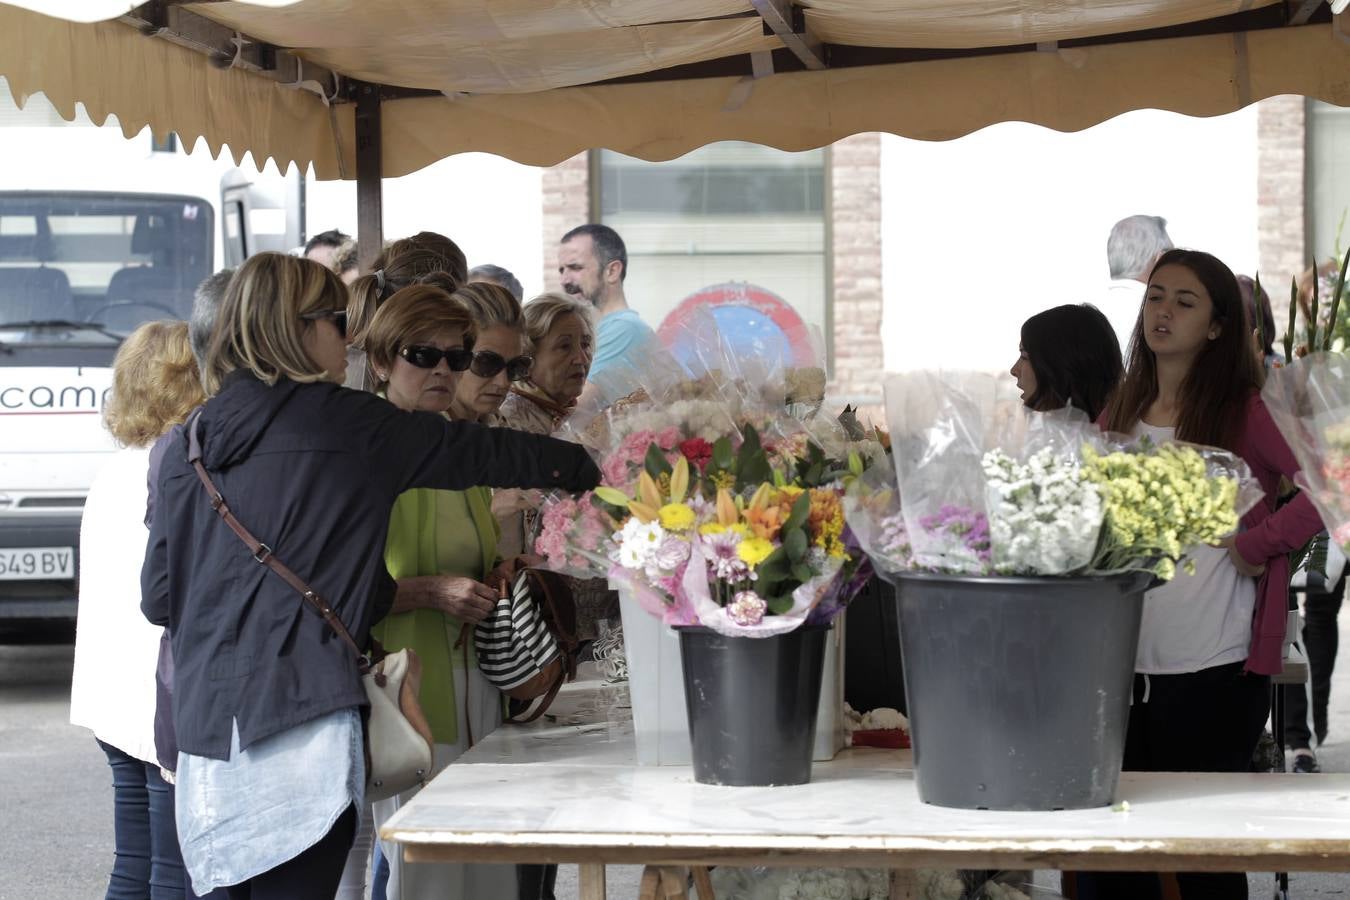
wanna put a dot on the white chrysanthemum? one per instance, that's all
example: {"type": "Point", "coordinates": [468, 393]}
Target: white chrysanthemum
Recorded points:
{"type": "Point", "coordinates": [638, 541]}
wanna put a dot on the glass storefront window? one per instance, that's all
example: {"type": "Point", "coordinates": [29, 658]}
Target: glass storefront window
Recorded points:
{"type": "Point", "coordinates": [727, 212]}
{"type": "Point", "coordinates": [1328, 178]}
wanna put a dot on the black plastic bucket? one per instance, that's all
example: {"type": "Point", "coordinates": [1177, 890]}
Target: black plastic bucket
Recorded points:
{"type": "Point", "coordinates": [1018, 688]}
{"type": "Point", "coordinates": [752, 704]}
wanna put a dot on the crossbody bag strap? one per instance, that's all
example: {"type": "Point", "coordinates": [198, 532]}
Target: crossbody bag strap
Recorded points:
{"type": "Point", "coordinates": [261, 552]}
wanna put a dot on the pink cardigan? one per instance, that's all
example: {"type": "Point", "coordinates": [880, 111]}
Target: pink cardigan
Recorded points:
{"type": "Point", "coordinates": [1270, 536]}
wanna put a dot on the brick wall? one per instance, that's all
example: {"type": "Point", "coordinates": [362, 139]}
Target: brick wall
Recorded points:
{"type": "Point", "coordinates": [855, 205]}
{"type": "Point", "coordinates": [1281, 211]}
{"type": "Point", "coordinates": [567, 204]}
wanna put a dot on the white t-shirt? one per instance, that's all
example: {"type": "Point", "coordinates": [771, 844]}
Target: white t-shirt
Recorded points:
{"type": "Point", "coordinates": [1121, 308]}
{"type": "Point", "coordinates": [1195, 621]}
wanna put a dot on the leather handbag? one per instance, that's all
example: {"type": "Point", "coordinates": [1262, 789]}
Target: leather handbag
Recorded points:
{"type": "Point", "coordinates": [527, 645]}
{"type": "Point", "coordinates": [398, 741]}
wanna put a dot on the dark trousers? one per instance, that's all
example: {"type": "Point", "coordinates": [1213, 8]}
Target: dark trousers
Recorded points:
{"type": "Point", "coordinates": [536, 881]}
{"type": "Point", "coordinates": [313, 875]}
{"type": "Point", "coordinates": [1321, 640]}
{"type": "Point", "coordinates": [147, 864]}
{"type": "Point", "coordinates": [1206, 721]}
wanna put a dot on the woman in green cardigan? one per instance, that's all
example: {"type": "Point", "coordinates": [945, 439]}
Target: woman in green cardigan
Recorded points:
{"type": "Point", "coordinates": [441, 549]}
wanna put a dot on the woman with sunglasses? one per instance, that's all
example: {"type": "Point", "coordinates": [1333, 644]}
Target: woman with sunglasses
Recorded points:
{"type": "Point", "coordinates": [267, 700]}
{"type": "Point", "coordinates": [441, 549]}
{"type": "Point", "coordinates": [499, 358]}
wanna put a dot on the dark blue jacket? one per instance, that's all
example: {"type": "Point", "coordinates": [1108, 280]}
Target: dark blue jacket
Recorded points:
{"type": "Point", "coordinates": [312, 470]}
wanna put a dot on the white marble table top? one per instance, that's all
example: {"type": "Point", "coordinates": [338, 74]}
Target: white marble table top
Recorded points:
{"type": "Point", "coordinates": [573, 794]}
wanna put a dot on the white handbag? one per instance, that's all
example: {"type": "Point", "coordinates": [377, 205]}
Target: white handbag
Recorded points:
{"type": "Point", "coordinates": [398, 744]}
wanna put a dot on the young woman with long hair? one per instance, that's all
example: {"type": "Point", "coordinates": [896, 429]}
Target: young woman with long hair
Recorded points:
{"type": "Point", "coordinates": [1209, 642]}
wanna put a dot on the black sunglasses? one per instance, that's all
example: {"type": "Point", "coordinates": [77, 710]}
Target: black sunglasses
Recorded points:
{"type": "Point", "coordinates": [337, 316]}
{"type": "Point", "coordinates": [487, 364]}
{"type": "Point", "coordinates": [457, 358]}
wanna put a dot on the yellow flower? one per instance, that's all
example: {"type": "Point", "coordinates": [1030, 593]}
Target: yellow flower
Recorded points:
{"type": "Point", "coordinates": [754, 551]}
{"type": "Point", "coordinates": [676, 516]}
{"type": "Point", "coordinates": [712, 528]}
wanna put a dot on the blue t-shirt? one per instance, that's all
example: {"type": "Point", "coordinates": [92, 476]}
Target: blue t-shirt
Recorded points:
{"type": "Point", "coordinates": [621, 346]}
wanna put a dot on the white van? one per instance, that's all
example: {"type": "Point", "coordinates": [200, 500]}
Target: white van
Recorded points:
{"type": "Point", "coordinates": [98, 234]}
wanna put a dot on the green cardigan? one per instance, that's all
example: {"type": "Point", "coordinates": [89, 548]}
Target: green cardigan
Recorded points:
{"type": "Point", "coordinates": [429, 536]}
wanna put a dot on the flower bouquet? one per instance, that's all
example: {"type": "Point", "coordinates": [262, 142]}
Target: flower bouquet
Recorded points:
{"type": "Point", "coordinates": [1020, 545]}
{"type": "Point", "coordinates": [720, 514]}
{"type": "Point", "coordinates": [714, 511]}
{"type": "Point", "coordinates": [1004, 491]}
{"type": "Point", "coordinates": [1310, 403]}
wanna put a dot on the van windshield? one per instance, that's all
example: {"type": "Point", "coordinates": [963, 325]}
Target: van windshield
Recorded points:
{"type": "Point", "coordinates": [96, 265]}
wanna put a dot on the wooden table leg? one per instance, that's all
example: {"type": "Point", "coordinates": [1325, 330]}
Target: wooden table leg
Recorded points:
{"type": "Point", "coordinates": [703, 883]}
{"type": "Point", "coordinates": [591, 881]}
{"type": "Point", "coordinates": [904, 885]}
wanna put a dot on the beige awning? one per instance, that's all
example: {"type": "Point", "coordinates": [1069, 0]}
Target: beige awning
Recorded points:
{"type": "Point", "coordinates": [540, 80]}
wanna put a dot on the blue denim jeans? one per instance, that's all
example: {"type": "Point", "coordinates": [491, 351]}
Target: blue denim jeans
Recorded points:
{"type": "Point", "coordinates": [146, 862]}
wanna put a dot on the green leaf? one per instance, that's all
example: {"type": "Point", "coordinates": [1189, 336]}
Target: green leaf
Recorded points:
{"type": "Point", "coordinates": [655, 463]}
{"type": "Point", "coordinates": [855, 464]}
{"type": "Point", "coordinates": [1293, 319]}
{"type": "Point", "coordinates": [1336, 300]}
{"type": "Point", "coordinates": [1312, 312]}
{"type": "Point", "coordinates": [721, 453]}
{"type": "Point", "coordinates": [779, 605]}
{"type": "Point", "coordinates": [795, 543]}
{"type": "Point", "coordinates": [612, 496]}
{"type": "Point", "coordinates": [752, 471]}
{"type": "Point", "coordinates": [779, 479]}
{"type": "Point", "coordinates": [802, 572]}
{"type": "Point", "coordinates": [774, 569]}
{"type": "Point", "coordinates": [801, 510]}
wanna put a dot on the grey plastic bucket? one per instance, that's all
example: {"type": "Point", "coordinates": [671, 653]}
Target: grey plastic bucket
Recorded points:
{"type": "Point", "coordinates": [1018, 688]}
{"type": "Point", "coordinates": [752, 704]}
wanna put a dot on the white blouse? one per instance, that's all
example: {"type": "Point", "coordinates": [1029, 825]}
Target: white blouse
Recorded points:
{"type": "Point", "coordinates": [1195, 621]}
{"type": "Point", "coordinates": [112, 691]}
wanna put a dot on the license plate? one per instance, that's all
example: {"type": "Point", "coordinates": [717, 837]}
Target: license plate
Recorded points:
{"type": "Point", "coordinates": [36, 563]}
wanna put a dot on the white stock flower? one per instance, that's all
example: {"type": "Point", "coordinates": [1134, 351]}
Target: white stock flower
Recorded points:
{"type": "Point", "coordinates": [1044, 516]}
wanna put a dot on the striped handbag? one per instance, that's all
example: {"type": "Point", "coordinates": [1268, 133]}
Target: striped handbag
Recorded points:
{"type": "Point", "coordinates": [527, 645]}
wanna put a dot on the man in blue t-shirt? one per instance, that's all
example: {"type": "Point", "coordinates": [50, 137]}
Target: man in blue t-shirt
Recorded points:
{"type": "Point", "coordinates": [592, 263]}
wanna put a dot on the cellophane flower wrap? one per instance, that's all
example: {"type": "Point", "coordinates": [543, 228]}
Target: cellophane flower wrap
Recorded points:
{"type": "Point", "coordinates": [1309, 400]}
{"type": "Point", "coordinates": [721, 504]}
{"type": "Point", "coordinates": [983, 486]}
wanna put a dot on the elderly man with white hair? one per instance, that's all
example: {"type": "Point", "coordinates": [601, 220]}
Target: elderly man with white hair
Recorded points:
{"type": "Point", "coordinates": [1134, 245]}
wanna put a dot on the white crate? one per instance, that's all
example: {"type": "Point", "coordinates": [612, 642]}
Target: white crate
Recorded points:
{"type": "Point", "coordinates": [656, 688]}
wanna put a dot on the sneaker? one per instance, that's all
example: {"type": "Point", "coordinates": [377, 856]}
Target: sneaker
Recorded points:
{"type": "Point", "coordinates": [1305, 763]}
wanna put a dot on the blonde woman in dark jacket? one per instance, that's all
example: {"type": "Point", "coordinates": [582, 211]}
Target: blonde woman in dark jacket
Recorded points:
{"type": "Point", "coordinates": [267, 700]}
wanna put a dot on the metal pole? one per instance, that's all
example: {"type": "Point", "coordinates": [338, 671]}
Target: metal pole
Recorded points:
{"type": "Point", "coordinates": [369, 171]}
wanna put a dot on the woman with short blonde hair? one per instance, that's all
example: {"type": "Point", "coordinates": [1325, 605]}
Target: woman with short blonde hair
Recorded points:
{"type": "Point", "coordinates": [267, 697]}
{"type": "Point", "coordinates": [155, 386]}
{"type": "Point", "coordinates": [421, 311]}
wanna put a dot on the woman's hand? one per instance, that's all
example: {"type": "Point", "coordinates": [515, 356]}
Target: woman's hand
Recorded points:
{"type": "Point", "coordinates": [507, 570]}
{"type": "Point", "coordinates": [463, 598]}
{"type": "Point", "coordinates": [1244, 568]}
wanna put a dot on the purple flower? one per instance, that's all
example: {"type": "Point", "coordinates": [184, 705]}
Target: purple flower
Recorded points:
{"type": "Point", "coordinates": [721, 552]}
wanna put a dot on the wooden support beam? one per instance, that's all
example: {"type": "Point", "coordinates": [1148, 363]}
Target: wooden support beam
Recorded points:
{"type": "Point", "coordinates": [227, 48]}
{"type": "Point", "coordinates": [369, 175]}
{"type": "Point", "coordinates": [1303, 11]}
{"type": "Point", "coordinates": [789, 24]}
